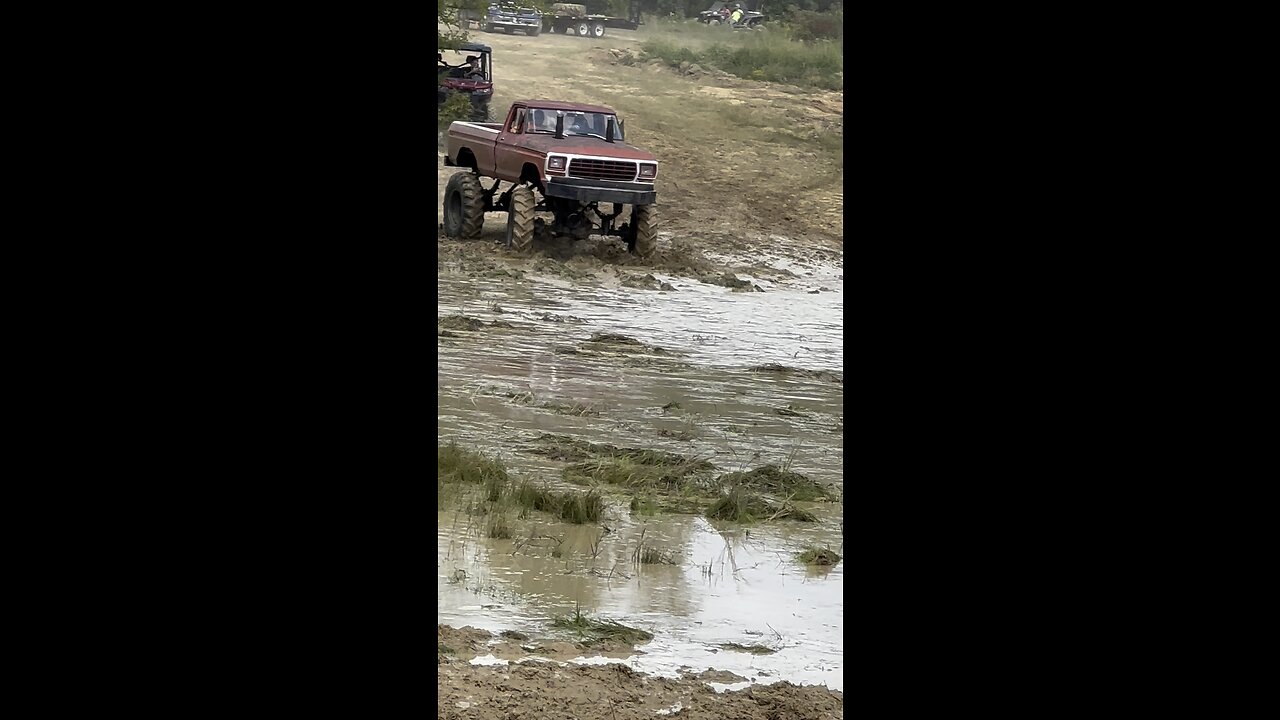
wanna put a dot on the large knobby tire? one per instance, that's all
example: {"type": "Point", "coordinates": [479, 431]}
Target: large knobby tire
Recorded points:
{"type": "Point", "coordinates": [520, 219]}
{"type": "Point", "coordinates": [644, 223]}
{"type": "Point", "coordinates": [463, 206]}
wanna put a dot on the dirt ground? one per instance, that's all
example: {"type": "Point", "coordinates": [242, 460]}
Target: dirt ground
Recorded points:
{"type": "Point", "coordinates": [550, 689]}
{"type": "Point", "coordinates": [744, 166]}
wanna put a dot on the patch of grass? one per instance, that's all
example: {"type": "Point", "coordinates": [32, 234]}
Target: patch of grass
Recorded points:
{"type": "Point", "coordinates": [494, 487]}
{"type": "Point", "coordinates": [818, 556]}
{"type": "Point", "coordinates": [526, 495]}
{"type": "Point", "coordinates": [457, 464]}
{"type": "Point", "coordinates": [643, 505]}
{"type": "Point", "coordinates": [762, 57]}
{"type": "Point", "coordinates": [753, 649]}
{"type": "Point", "coordinates": [596, 629]}
{"type": "Point", "coordinates": [642, 469]}
{"type": "Point", "coordinates": [576, 409]}
{"type": "Point", "coordinates": [458, 322]}
{"type": "Point", "coordinates": [778, 481]}
{"type": "Point", "coordinates": [613, 342]}
{"type": "Point", "coordinates": [497, 526]}
{"type": "Point", "coordinates": [737, 505]}
{"type": "Point", "coordinates": [799, 372]}
{"type": "Point", "coordinates": [581, 508]}
{"type": "Point", "coordinates": [743, 506]}
{"type": "Point", "coordinates": [649, 555]}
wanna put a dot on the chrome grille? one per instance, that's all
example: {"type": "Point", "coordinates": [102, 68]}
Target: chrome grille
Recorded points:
{"type": "Point", "coordinates": [588, 169]}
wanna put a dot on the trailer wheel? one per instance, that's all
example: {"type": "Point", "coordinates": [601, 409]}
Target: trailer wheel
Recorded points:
{"type": "Point", "coordinates": [533, 31]}
{"type": "Point", "coordinates": [644, 230]}
{"type": "Point", "coordinates": [597, 30]}
{"type": "Point", "coordinates": [463, 206]}
{"type": "Point", "coordinates": [584, 29]}
{"type": "Point", "coordinates": [520, 218]}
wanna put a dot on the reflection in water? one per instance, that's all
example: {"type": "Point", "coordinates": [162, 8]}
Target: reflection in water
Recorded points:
{"type": "Point", "coordinates": [726, 585]}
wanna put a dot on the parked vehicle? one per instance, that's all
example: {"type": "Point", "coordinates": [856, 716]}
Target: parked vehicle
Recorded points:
{"type": "Point", "coordinates": [509, 17]}
{"type": "Point", "coordinates": [455, 75]}
{"type": "Point", "coordinates": [574, 19]}
{"type": "Point", "coordinates": [559, 157]}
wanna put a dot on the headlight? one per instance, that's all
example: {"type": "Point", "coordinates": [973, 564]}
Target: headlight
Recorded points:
{"type": "Point", "coordinates": [555, 163]}
{"type": "Point", "coordinates": [648, 171]}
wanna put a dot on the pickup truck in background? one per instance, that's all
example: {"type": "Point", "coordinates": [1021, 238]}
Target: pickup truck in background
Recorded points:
{"type": "Point", "coordinates": [559, 157]}
{"type": "Point", "coordinates": [510, 17]}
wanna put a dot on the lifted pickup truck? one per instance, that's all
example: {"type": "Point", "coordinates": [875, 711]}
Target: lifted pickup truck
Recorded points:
{"type": "Point", "coordinates": [570, 154]}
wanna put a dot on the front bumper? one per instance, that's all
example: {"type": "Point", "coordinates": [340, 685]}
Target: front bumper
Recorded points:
{"type": "Point", "coordinates": [611, 191]}
{"type": "Point", "coordinates": [508, 23]}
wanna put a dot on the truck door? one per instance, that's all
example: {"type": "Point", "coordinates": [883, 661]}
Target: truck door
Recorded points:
{"type": "Point", "coordinates": [510, 158]}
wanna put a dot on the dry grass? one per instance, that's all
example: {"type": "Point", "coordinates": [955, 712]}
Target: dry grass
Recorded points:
{"type": "Point", "coordinates": [818, 556]}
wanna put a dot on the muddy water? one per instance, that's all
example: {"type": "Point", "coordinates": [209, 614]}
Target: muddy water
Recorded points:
{"type": "Point", "coordinates": [499, 388]}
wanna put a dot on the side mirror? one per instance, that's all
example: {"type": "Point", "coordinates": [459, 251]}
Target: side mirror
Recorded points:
{"type": "Point", "coordinates": [560, 125]}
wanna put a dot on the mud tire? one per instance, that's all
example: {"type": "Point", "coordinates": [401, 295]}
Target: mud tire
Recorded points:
{"type": "Point", "coordinates": [463, 206]}
{"type": "Point", "coordinates": [520, 219]}
{"type": "Point", "coordinates": [644, 226]}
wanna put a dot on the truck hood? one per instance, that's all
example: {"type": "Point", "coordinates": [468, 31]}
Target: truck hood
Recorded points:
{"type": "Point", "coordinates": [578, 145]}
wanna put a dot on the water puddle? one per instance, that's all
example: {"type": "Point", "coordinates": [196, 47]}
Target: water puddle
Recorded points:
{"type": "Point", "coordinates": [738, 379]}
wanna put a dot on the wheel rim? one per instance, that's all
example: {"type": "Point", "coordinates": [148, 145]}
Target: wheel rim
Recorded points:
{"type": "Point", "coordinates": [583, 29]}
{"type": "Point", "coordinates": [598, 30]}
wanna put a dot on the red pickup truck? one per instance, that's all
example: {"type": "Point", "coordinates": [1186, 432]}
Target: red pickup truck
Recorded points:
{"type": "Point", "coordinates": [571, 155]}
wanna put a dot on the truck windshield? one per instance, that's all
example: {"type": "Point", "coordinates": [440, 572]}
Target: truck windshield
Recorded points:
{"type": "Point", "coordinates": [575, 123]}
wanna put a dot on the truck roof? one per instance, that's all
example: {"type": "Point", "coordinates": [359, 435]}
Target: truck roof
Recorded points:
{"type": "Point", "coordinates": [562, 105]}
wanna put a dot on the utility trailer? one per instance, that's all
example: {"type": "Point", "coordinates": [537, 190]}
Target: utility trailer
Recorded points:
{"type": "Point", "coordinates": [571, 19]}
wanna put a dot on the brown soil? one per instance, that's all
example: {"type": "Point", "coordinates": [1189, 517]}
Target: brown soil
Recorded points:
{"type": "Point", "coordinates": [536, 685]}
{"type": "Point", "coordinates": [548, 691]}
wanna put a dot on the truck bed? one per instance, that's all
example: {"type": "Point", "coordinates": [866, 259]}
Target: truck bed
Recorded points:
{"type": "Point", "coordinates": [480, 137]}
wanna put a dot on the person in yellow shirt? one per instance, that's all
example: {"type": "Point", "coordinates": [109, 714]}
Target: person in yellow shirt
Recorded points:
{"type": "Point", "coordinates": [737, 14]}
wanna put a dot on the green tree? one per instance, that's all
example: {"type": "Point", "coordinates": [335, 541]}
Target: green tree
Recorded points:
{"type": "Point", "coordinates": [451, 31]}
